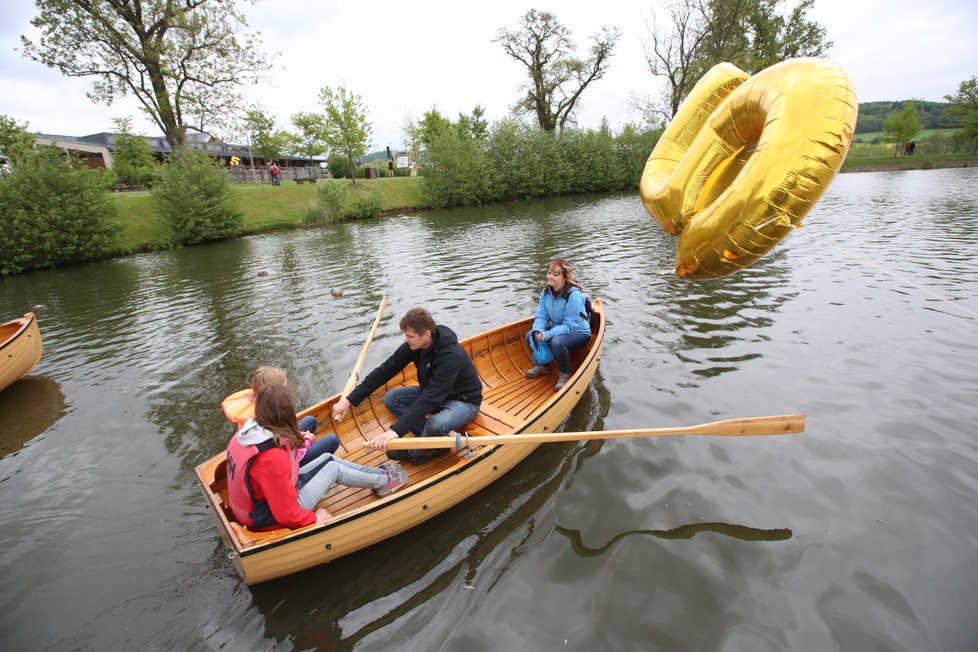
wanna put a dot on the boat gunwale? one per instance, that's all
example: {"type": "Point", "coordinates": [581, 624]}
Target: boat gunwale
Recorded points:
{"type": "Point", "coordinates": [25, 323]}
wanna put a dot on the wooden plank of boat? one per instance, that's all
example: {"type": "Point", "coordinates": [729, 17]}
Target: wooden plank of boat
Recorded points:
{"type": "Point", "coordinates": [512, 403]}
{"type": "Point", "coordinates": [20, 348]}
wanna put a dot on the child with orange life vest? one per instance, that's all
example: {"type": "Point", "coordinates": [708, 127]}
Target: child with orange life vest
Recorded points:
{"type": "Point", "coordinates": [265, 489]}
{"type": "Point", "coordinates": [240, 406]}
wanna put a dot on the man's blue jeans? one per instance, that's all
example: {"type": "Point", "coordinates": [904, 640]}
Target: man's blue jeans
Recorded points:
{"type": "Point", "coordinates": [452, 416]}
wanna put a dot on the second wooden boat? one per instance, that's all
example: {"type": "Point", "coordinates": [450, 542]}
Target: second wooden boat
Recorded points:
{"type": "Point", "coordinates": [20, 348]}
{"type": "Point", "coordinates": [512, 404]}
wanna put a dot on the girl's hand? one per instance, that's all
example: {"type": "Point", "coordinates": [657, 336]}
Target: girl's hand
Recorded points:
{"type": "Point", "coordinates": [322, 515]}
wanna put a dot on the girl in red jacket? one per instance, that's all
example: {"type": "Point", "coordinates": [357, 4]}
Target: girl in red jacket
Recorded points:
{"type": "Point", "coordinates": [264, 487]}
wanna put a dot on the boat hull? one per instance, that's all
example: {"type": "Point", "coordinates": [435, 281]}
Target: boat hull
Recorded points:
{"type": "Point", "coordinates": [20, 348]}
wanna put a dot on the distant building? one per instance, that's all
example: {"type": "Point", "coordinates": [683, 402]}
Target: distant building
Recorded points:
{"type": "Point", "coordinates": [96, 149]}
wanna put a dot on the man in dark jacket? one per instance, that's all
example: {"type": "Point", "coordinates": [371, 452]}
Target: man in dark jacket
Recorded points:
{"type": "Point", "coordinates": [449, 387]}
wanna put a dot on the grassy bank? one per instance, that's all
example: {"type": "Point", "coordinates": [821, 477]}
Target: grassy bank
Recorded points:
{"type": "Point", "coordinates": [265, 208]}
{"type": "Point", "coordinates": [915, 162]}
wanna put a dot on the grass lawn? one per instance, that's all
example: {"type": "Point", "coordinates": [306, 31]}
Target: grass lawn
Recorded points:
{"type": "Point", "coordinates": [265, 207]}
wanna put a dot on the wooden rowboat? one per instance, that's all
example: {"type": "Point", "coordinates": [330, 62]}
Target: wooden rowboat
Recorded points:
{"type": "Point", "coordinates": [20, 348]}
{"type": "Point", "coordinates": [512, 404]}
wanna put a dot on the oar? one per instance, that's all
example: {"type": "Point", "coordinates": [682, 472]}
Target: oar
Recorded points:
{"type": "Point", "coordinates": [776, 425]}
{"type": "Point", "coordinates": [355, 374]}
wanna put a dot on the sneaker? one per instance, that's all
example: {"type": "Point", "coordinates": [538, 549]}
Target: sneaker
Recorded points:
{"type": "Point", "coordinates": [539, 370]}
{"type": "Point", "coordinates": [561, 381]}
{"type": "Point", "coordinates": [396, 478]}
{"type": "Point", "coordinates": [391, 467]}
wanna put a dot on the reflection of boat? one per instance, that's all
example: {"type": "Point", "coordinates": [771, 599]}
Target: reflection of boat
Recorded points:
{"type": "Point", "coordinates": [512, 404]}
{"type": "Point", "coordinates": [20, 348]}
{"type": "Point", "coordinates": [28, 408]}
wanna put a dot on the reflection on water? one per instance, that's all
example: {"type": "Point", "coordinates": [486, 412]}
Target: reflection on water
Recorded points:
{"type": "Point", "coordinates": [688, 531]}
{"type": "Point", "coordinates": [865, 320]}
{"type": "Point", "coordinates": [28, 407]}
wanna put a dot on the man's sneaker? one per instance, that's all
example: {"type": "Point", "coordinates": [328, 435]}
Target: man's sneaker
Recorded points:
{"type": "Point", "coordinates": [539, 370]}
{"type": "Point", "coordinates": [396, 478]}
{"type": "Point", "coordinates": [561, 381]}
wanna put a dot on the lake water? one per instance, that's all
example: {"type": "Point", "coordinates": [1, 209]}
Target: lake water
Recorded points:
{"type": "Point", "coordinates": [859, 534]}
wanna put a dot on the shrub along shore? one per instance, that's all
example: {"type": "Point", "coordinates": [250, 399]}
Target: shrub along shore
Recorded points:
{"type": "Point", "coordinates": [270, 208]}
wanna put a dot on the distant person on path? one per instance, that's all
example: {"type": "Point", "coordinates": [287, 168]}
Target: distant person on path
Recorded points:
{"type": "Point", "coordinates": [906, 148]}
{"type": "Point", "coordinates": [276, 175]}
{"type": "Point", "coordinates": [913, 146]}
{"type": "Point", "coordinates": [265, 488]}
{"type": "Point", "coordinates": [561, 320]}
{"type": "Point", "coordinates": [390, 167]}
{"type": "Point", "coordinates": [448, 388]}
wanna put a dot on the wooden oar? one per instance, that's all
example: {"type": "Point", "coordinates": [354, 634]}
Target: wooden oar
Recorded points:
{"type": "Point", "coordinates": [351, 383]}
{"type": "Point", "coordinates": [776, 425]}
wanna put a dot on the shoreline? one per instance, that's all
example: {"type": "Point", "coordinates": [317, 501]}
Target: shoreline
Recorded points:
{"type": "Point", "coordinates": [901, 163]}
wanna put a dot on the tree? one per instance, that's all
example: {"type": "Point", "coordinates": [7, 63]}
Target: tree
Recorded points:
{"type": "Point", "coordinates": [557, 77]}
{"type": "Point", "coordinates": [267, 141]}
{"type": "Point", "coordinates": [346, 128]}
{"type": "Point", "coordinates": [480, 127]}
{"type": "Point", "coordinates": [964, 107]}
{"type": "Point", "coordinates": [133, 160]}
{"type": "Point", "coordinates": [902, 126]}
{"type": "Point", "coordinates": [183, 61]}
{"type": "Point", "coordinates": [751, 34]}
{"type": "Point", "coordinates": [193, 197]}
{"type": "Point", "coordinates": [52, 209]}
{"type": "Point", "coordinates": [310, 138]}
{"type": "Point", "coordinates": [16, 143]}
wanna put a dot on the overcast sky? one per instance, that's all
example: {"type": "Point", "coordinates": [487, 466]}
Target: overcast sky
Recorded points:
{"type": "Point", "coordinates": [403, 58]}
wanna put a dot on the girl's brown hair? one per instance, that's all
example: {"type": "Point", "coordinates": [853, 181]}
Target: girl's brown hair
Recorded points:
{"type": "Point", "coordinates": [264, 376]}
{"type": "Point", "coordinates": [275, 411]}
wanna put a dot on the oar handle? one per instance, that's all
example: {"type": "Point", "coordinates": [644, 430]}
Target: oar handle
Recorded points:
{"type": "Point", "coordinates": [749, 426]}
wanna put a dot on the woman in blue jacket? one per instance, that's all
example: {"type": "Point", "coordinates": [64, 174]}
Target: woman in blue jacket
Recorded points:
{"type": "Point", "coordinates": [561, 320]}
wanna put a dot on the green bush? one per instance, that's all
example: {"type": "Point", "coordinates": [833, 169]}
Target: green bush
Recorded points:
{"type": "Point", "coordinates": [330, 199]}
{"type": "Point", "coordinates": [366, 203]}
{"type": "Point", "coordinates": [52, 213]}
{"type": "Point", "coordinates": [339, 166]}
{"type": "Point", "coordinates": [456, 172]}
{"type": "Point", "coordinates": [194, 199]}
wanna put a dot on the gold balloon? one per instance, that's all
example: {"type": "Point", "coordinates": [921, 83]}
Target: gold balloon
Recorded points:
{"type": "Point", "coordinates": [745, 158]}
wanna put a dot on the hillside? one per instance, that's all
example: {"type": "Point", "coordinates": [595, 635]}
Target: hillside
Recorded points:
{"type": "Point", "coordinates": [931, 114]}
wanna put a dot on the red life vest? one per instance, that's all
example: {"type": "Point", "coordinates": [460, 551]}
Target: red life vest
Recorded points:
{"type": "Point", "coordinates": [248, 511]}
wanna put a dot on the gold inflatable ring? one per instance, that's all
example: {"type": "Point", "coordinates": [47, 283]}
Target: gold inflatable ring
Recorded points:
{"type": "Point", "coordinates": [745, 158]}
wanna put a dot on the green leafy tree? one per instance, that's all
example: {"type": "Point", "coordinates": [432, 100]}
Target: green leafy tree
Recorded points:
{"type": "Point", "coordinates": [52, 211]}
{"type": "Point", "coordinates": [964, 107]}
{"type": "Point", "coordinates": [558, 77]}
{"type": "Point", "coordinates": [480, 127]}
{"type": "Point", "coordinates": [901, 126]}
{"type": "Point", "coordinates": [346, 129]}
{"type": "Point", "coordinates": [751, 34]}
{"type": "Point", "coordinates": [183, 61]}
{"type": "Point", "coordinates": [194, 198]}
{"type": "Point", "coordinates": [16, 143]}
{"type": "Point", "coordinates": [267, 141]}
{"type": "Point", "coordinates": [133, 160]}
{"type": "Point", "coordinates": [432, 126]}
{"type": "Point", "coordinates": [310, 139]}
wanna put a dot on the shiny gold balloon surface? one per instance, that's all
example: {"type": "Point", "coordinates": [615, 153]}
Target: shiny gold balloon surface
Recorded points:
{"type": "Point", "coordinates": [745, 158]}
